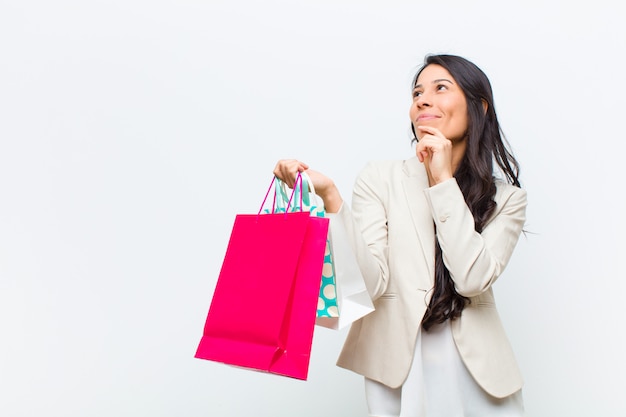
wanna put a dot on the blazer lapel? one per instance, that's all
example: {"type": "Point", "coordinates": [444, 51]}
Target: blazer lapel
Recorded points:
{"type": "Point", "coordinates": [415, 182]}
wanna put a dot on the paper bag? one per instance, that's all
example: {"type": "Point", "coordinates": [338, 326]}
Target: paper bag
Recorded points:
{"type": "Point", "coordinates": [262, 314]}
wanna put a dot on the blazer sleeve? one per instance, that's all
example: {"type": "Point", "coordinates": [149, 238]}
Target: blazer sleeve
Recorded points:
{"type": "Point", "coordinates": [366, 228]}
{"type": "Point", "coordinates": [475, 260]}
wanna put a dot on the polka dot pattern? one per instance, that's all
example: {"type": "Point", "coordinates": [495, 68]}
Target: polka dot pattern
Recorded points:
{"type": "Point", "coordinates": [328, 294]}
{"type": "Point", "coordinates": [327, 304]}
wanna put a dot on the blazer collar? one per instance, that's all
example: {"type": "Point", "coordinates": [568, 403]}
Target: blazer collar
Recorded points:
{"type": "Point", "coordinates": [414, 183]}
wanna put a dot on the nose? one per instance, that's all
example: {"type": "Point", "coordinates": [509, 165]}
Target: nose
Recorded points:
{"type": "Point", "coordinates": [422, 101]}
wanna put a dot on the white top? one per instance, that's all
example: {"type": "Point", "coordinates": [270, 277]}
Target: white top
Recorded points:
{"type": "Point", "coordinates": [439, 385]}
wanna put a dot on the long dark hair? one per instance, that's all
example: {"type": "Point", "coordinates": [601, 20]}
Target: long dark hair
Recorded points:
{"type": "Point", "coordinates": [475, 174]}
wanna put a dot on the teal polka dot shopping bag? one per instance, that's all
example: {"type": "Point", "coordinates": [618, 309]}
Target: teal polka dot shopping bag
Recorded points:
{"type": "Point", "coordinates": [343, 296]}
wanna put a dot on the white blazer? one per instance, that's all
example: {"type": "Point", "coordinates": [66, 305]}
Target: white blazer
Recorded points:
{"type": "Point", "coordinates": [391, 229]}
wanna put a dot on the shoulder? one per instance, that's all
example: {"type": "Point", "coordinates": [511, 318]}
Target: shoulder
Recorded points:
{"type": "Point", "coordinates": [510, 200]}
{"type": "Point", "coordinates": [381, 174]}
{"type": "Point", "coordinates": [506, 192]}
{"type": "Point", "coordinates": [392, 167]}
{"type": "Point", "coordinates": [383, 164]}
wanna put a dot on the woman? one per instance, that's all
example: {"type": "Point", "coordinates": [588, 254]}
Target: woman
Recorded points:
{"type": "Point", "coordinates": [432, 234]}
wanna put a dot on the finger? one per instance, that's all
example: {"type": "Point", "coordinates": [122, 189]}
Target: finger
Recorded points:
{"type": "Point", "coordinates": [429, 129]}
{"type": "Point", "coordinates": [282, 168]}
{"type": "Point", "coordinates": [426, 142]}
{"type": "Point", "coordinates": [422, 154]}
{"type": "Point", "coordinates": [432, 144]}
{"type": "Point", "coordinates": [287, 170]}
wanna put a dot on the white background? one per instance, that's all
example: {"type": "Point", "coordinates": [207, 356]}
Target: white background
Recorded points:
{"type": "Point", "coordinates": [133, 131]}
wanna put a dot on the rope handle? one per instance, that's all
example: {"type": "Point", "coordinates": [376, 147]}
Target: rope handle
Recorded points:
{"type": "Point", "coordinates": [283, 196]}
{"type": "Point", "coordinates": [308, 198]}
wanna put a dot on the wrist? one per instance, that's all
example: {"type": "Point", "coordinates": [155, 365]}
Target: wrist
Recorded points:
{"type": "Point", "coordinates": [442, 178]}
{"type": "Point", "coordinates": [332, 199]}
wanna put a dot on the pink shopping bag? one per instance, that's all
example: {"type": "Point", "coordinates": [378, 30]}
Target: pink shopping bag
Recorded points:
{"type": "Point", "coordinates": [263, 310]}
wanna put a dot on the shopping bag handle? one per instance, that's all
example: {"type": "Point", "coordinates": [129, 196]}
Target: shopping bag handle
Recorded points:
{"type": "Point", "coordinates": [281, 189]}
{"type": "Point", "coordinates": [309, 183]}
{"type": "Point", "coordinates": [308, 196]}
{"type": "Point", "coordinates": [295, 187]}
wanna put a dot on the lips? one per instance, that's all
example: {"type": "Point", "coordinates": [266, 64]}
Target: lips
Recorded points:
{"type": "Point", "coordinates": [425, 116]}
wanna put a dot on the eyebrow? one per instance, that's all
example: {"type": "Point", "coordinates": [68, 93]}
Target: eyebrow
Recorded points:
{"type": "Point", "coordinates": [438, 80]}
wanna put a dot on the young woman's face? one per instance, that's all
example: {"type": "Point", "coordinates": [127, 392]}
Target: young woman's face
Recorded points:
{"type": "Point", "coordinates": [439, 102]}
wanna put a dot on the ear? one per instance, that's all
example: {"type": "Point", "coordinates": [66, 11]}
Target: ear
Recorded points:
{"type": "Point", "coordinates": [485, 105]}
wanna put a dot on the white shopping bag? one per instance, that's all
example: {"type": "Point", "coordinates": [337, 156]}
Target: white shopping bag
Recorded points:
{"type": "Point", "coordinates": [353, 300]}
{"type": "Point", "coordinates": [350, 300]}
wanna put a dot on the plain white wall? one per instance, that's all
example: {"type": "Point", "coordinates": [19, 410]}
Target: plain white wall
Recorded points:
{"type": "Point", "coordinates": [133, 131]}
